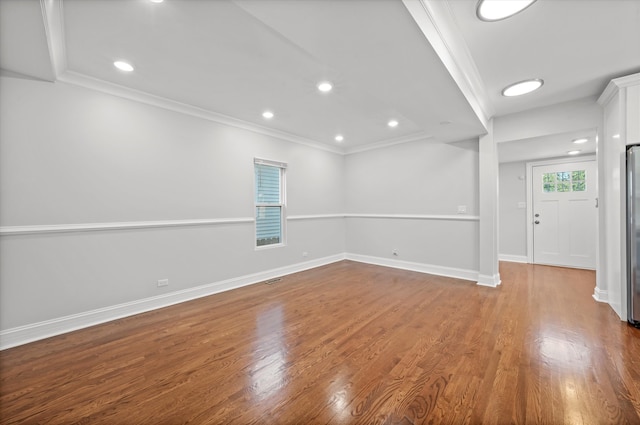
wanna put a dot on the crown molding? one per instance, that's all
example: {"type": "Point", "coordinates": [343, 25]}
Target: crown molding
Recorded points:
{"type": "Point", "coordinates": [389, 142]}
{"type": "Point", "coordinates": [436, 21]}
{"type": "Point", "coordinates": [617, 84]}
{"type": "Point", "coordinates": [82, 80]}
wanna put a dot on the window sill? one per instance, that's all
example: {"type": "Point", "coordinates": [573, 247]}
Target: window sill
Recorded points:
{"type": "Point", "coordinates": [275, 245]}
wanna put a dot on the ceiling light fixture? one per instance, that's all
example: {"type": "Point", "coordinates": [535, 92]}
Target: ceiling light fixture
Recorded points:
{"type": "Point", "coordinates": [522, 87]}
{"type": "Point", "coordinates": [123, 66]}
{"type": "Point", "coordinates": [573, 152]}
{"type": "Point", "coordinates": [392, 123]}
{"type": "Point", "coordinates": [339, 138]}
{"type": "Point", "coordinates": [616, 136]}
{"type": "Point", "coordinates": [267, 115]}
{"type": "Point", "coordinates": [325, 86]}
{"type": "Point", "coordinates": [580, 141]}
{"type": "Point", "coordinates": [156, 1]}
{"type": "Point", "coordinates": [497, 10]}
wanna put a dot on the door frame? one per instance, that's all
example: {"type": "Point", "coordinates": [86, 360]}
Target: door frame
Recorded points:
{"type": "Point", "coordinates": [529, 186]}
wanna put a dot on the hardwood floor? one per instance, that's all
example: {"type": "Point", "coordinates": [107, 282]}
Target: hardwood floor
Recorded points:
{"type": "Point", "coordinates": [345, 343]}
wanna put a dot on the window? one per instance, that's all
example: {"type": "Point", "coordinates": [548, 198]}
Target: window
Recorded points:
{"type": "Point", "coordinates": [564, 181]}
{"type": "Point", "coordinates": [269, 202]}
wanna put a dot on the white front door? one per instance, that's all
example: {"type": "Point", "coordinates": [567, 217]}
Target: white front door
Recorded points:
{"type": "Point", "coordinates": [564, 214]}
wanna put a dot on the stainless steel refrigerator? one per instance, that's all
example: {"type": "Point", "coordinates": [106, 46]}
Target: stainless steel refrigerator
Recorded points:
{"type": "Point", "coordinates": [633, 235]}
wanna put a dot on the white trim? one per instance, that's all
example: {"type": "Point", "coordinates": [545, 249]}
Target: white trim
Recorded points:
{"type": "Point", "coordinates": [415, 267]}
{"type": "Point", "coordinates": [270, 162]}
{"type": "Point", "coordinates": [74, 78]}
{"type": "Point", "coordinates": [314, 216]}
{"type": "Point", "coordinates": [386, 143]}
{"type": "Point", "coordinates": [33, 332]}
{"type": "Point", "coordinates": [488, 280]}
{"type": "Point", "coordinates": [600, 295]}
{"type": "Point", "coordinates": [615, 85]}
{"type": "Point", "coordinates": [459, 217]}
{"type": "Point", "coordinates": [53, 19]}
{"type": "Point", "coordinates": [513, 258]}
{"type": "Point", "coordinates": [91, 227]}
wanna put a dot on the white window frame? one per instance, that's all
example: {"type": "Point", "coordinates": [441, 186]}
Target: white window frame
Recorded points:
{"type": "Point", "coordinates": [283, 203]}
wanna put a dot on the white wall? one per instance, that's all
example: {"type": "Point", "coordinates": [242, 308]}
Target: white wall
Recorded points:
{"type": "Point", "coordinates": [426, 179]}
{"type": "Point", "coordinates": [73, 156]}
{"type": "Point", "coordinates": [513, 217]}
{"type": "Point", "coordinates": [69, 155]}
{"type": "Point", "coordinates": [564, 117]}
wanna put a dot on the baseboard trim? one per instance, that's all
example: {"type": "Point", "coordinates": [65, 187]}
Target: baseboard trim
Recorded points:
{"type": "Point", "coordinates": [41, 330]}
{"type": "Point", "coordinates": [415, 267]}
{"type": "Point", "coordinates": [513, 258]}
{"type": "Point", "coordinates": [600, 295]}
{"type": "Point", "coordinates": [489, 280]}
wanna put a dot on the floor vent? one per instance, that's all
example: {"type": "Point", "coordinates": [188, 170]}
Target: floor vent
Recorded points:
{"type": "Point", "coordinates": [270, 281]}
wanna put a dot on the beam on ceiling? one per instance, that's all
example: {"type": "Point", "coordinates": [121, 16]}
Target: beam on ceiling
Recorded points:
{"type": "Point", "coordinates": [435, 20]}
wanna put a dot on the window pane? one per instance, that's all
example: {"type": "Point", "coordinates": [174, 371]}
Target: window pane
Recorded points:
{"type": "Point", "coordinates": [578, 186]}
{"type": "Point", "coordinates": [549, 178]}
{"type": "Point", "coordinates": [549, 187]}
{"type": "Point", "coordinates": [562, 176]}
{"type": "Point", "coordinates": [268, 225]}
{"type": "Point", "coordinates": [564, 186]}
{"type": "Point", "coordinates": [578, 175]}
{"type": "Point", "coordinates": [267, 184]}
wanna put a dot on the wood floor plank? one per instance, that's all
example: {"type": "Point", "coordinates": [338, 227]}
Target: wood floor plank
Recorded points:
{"type": "Point", "coordinates": [348, 343]}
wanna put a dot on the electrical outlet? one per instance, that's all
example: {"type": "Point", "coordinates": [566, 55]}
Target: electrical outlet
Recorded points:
{"type": "Point", "coordinates": [462, 209]}
{"type": "Point", "coordinates": [305, 254]}
{"type": "Point", "coordinates": [394, 252]}
{"type": "Point", "coordinates": [163, 282]}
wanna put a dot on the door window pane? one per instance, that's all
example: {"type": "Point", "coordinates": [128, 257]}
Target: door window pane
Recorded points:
{"type": "Point", "coordinates": [564, 181]}
{"type": "Point", "coordinates": [549, 182]}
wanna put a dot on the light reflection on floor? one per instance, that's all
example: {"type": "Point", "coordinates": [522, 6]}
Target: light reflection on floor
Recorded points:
{"type": "Point", "coordinates": [270, 355]}
{"type": "Point", "coordinates": [338, 396]}
{"type": "Point", "coordinates": [560, 350]}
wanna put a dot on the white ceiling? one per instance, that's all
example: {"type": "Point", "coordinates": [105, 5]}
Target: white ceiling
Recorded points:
{"type": "Point", "coordinates": [234, 59]}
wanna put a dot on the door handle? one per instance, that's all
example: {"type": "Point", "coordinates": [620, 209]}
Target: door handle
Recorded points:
{"type": "Point", "coordinates": [537, 222]}
{"type": "Point", "coordinates": [537, 215]}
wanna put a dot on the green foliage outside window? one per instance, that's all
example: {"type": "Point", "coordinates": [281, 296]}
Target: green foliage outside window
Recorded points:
{"type": "Point", "coordinates": [564, 181]}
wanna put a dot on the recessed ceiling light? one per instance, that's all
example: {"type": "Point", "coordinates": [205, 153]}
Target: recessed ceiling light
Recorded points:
{"type": "Point", "coordinates": [573, 152]}
{"type": "Point", "coordinates": [522, 87]}
{"type": "Point", "coordinates": [123, 66]}
{"type": "Point", "coordinates": [392, 123]}
{"type": "Point", "coordinates": [325, 86]}
{"type": "Point", "coordinates": [156, 1]}
{"type": "Point", "coordinates": [339, 138]}
{"type": "Point", "coordinates": [267, 115]}
{"type": "Point", "coordinates": [496, 10]}
{"type": "Point", "coordinates": [580, 141]}
{"type": "Point", "coordinates": [616, 136]}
